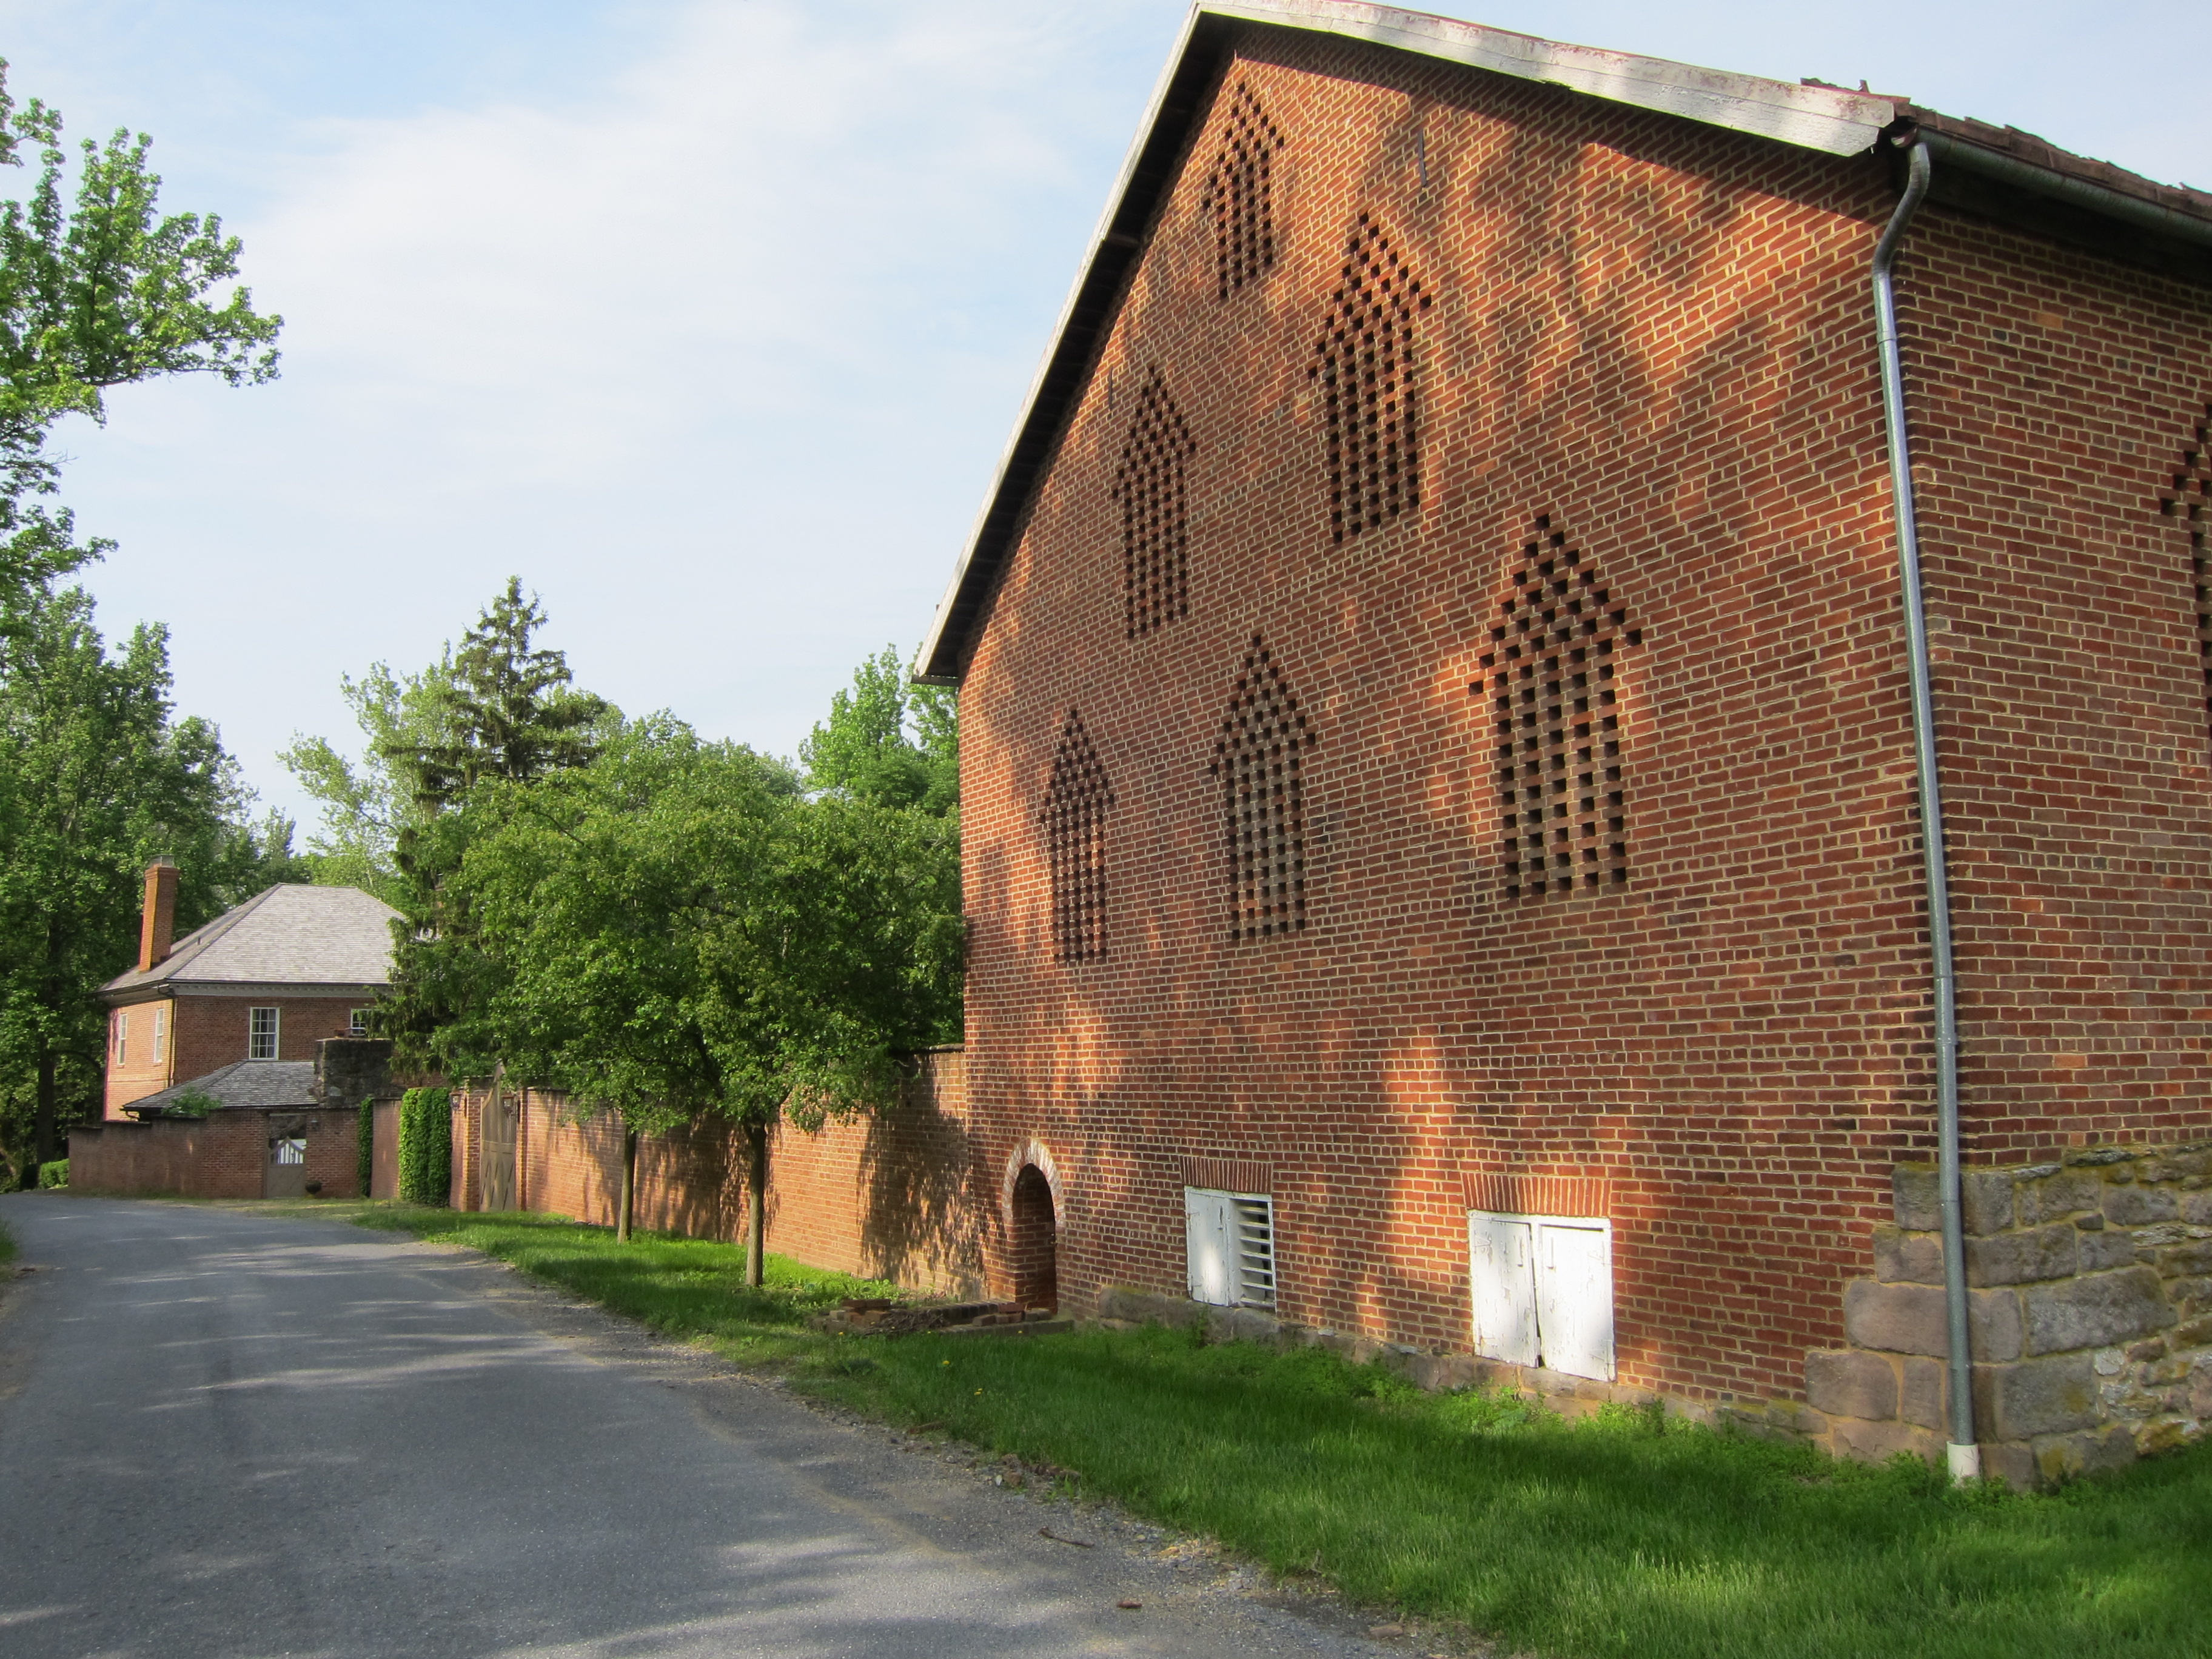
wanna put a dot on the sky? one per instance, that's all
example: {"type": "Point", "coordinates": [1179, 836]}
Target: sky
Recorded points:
{"type": "Point", "coordinates": [710, 320]}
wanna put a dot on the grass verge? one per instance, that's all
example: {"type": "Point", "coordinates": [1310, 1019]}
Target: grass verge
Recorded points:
{"type": "Point", "coordinates": [1630, 1535]}
{"type": "Point", "coordinates": [7, 1245]}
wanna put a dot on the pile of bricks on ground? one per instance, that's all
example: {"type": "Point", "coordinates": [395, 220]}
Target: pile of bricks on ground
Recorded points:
{"type": "Point", "coordinates": [2091, 1317]}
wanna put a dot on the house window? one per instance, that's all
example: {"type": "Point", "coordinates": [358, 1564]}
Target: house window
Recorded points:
{"type": "Point", "coordinates": [1541, 1290]}
{"type": "Point", "coordinates": [1231, 1241]}
{"type": "Point", "coordinates": [122, 1036]}
{"type": "Point", "coordinates": [161, 1033]}
{"type": "Point", "coordinates": [261, 1039]}
{"type": "Point", "coordinates": [1076, 804]}
{"type": "Point", "coordinates": [1240, 194]}
{"type": "Point", "coordinates": [358, 1024]}
{"type": "Point", "coordinates": [1369, 396]}
{"type": "Point", "coordinates": [1149, 484]}
{"type": "Point", "coordinates": [1259, 760]}
{"type": "Point", "coordinates": [1550, 679]}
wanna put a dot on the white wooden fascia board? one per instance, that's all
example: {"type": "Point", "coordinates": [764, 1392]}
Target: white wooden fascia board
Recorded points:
{"type": "Point", "coordinates": [1828, 118]}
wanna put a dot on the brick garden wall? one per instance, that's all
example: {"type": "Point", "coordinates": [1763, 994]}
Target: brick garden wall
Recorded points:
{"type": "Point", "coordinates": [1657, 339]}
{"type": "Point", "coordinates": [223, 1155]}
{"type": "Point", "coordinates": [884, 1197]}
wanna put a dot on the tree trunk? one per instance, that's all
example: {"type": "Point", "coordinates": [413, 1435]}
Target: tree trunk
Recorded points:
{"type": "Point", "coordinates": [756, 1203]}
{"type": "Point", "coordinates": [43, 1115]}
{"type": "Point", "coordinates": [629, 1186]}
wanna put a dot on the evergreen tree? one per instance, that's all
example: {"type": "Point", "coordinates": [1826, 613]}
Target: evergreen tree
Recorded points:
{"type": "Point", "coordinates": [502, 711]}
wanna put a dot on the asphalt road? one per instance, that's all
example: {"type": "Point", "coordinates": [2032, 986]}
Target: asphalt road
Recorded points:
{"type": "Point", "coordinates": [228, 1433]}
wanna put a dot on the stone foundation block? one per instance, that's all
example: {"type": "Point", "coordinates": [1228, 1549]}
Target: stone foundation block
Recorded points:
{"type": "Point", "coordinates": [1876, 1441]}
{"type": "Point", "coordinates": [1900, 1257]}
{"type": "Point", "coordinates": [2197, 1208]}
{"type": "Point", "coordinates": [2133, 1205]}
{"type": "Point", "coordinates": [2194, 1257]}
{"type": "Point", "coordinates": [2055, 1195]}
{"type": "Point", "coordinates": [2024, 1258]}
{"type": "Point", "coordinates": [2113, 1246]}
{"type": "Point", "coordinates": [1922, 1392]}
{"type": "Point", "coordinates": [1851, 1382]}
{"type": "Point", "coordinates": [1148, 1307]}
{"type": "Point", "coordinates": [2091, 1451]}
{"type": "Point", "coordinates": [1243, 1325]}
{"type": "Point", "coordinates": [2094, 1310]}
{"type": "Point", "coordinates": [2012, 1462]}
{"type": "Point", "coordinates": [1909, 1319]}
{"type": "Point", "coordinates": [2035, 1397]}
{"type": "Point", "coordinates": [1913, 1198]}
{"type": "Point", "coordinates": [1985, 1200]}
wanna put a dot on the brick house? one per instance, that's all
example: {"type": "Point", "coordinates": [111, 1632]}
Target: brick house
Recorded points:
{"type": "Point", "coordinates": [1439, 752]}
{"type": "Point", "coordinates": [266, 980]}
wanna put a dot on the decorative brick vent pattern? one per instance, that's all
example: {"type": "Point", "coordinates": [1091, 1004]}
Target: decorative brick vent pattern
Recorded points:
{"type": "Point", "coordinates": [1370, 397]}
{"type": "Point", "coordinates": [1505, 1193]}
{"type": "Point", "coordinates": [1240, 194]}
{"type": "Point", "coordinates": [1077, 802]}
{"type": "Point", "coordinates": [1150, 486]}
{"type": "Point", "coordinates": [1549, 675]}
{"type": "Point", "coordinates": [1259, 760]}
{"type": "Point", "coordinates": [2191, 500]}
{"type": "Point", "coordinates": [1228, 1174]}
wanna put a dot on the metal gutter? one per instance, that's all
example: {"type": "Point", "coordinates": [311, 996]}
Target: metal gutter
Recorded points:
{"type": "Point", "coordinates": [1964, 1453]}
{"type": "Point", "coordinates": [2062, 187]}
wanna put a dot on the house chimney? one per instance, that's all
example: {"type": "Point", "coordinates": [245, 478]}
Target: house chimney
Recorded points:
{"type": "Point", "coordinates": [158, 923]}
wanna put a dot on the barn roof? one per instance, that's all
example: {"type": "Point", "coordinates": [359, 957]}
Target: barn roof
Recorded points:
{"type": "Point", "coordinates": [2006, 174]}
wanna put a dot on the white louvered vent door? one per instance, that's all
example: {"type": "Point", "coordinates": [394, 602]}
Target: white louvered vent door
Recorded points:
{"type": "Point", "coordinates": [1255, 1251]}
{"type": "Point", "coordinates": [1502, 1287]}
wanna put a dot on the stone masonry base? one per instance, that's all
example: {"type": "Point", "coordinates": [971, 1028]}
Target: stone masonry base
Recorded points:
{"type": "Point", "coordinates": [2090, 1317]}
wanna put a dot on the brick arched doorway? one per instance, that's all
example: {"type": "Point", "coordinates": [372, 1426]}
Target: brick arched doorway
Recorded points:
{"type": "Point", "coordinates": [1033, 1257]}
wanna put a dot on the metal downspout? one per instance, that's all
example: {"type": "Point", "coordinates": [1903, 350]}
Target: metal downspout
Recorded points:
{"type": "Point", "coordinates": [1966, 1457]}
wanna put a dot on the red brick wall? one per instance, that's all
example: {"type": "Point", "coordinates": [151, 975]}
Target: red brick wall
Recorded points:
{"type": "Point", "coordinates": [207, 1033]}
{"type": "Point", "coordinates": [1659, 337]}
{"type": "Point", "coordinates": [223, 1155]}
{"type": "Point", "coordinates": [884, 1197]}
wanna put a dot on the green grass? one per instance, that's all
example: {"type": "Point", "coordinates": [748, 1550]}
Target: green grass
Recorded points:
{"type": "Point", "coordinates": [1630, 1535]}
{"type": "Point", "coordinates": [7, 1244]}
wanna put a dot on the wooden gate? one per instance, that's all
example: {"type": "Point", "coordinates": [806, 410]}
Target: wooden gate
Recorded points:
{"type": "Point", "coordinates": [495, 1137]}
{"type": "Point", "coordinates": [286, 1174]}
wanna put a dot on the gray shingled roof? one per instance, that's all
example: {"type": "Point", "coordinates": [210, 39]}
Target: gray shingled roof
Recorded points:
{"type": "Point", "coordinates": [287, 935]}
{"type": "Point", "coordinates": [246, 1082]}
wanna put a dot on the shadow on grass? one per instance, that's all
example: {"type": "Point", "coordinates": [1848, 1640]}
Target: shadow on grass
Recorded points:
{"type": "Point", "coordinates": [1632, 1535]}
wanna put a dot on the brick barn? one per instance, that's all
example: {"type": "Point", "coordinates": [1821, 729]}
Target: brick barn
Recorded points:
{"type": "Point", "coordinates": [1439, 760]}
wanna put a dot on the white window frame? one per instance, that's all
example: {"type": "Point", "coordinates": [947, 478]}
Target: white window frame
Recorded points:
{"type": "Point", "coordinates": [122, 1036]}
{"type": "Point", "coordinates": [1524, 1304]}
{"type": "Point", "coordinates": [160, 1031]}
{"type": "Point", "coordinates": [358, 1022]}
{"type": "Point", "coordinates": [253, 1032]}
{"type": "Point", "coordinates": [1229, 1247]}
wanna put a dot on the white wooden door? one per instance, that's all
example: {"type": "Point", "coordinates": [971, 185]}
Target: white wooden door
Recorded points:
{"type": "Point", "coordinates": [1210, 1234]}
{"type": "Point", "coordinates": [1574, 1297]}
{"type": "Point", "coordinates": [1503, 1282]}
